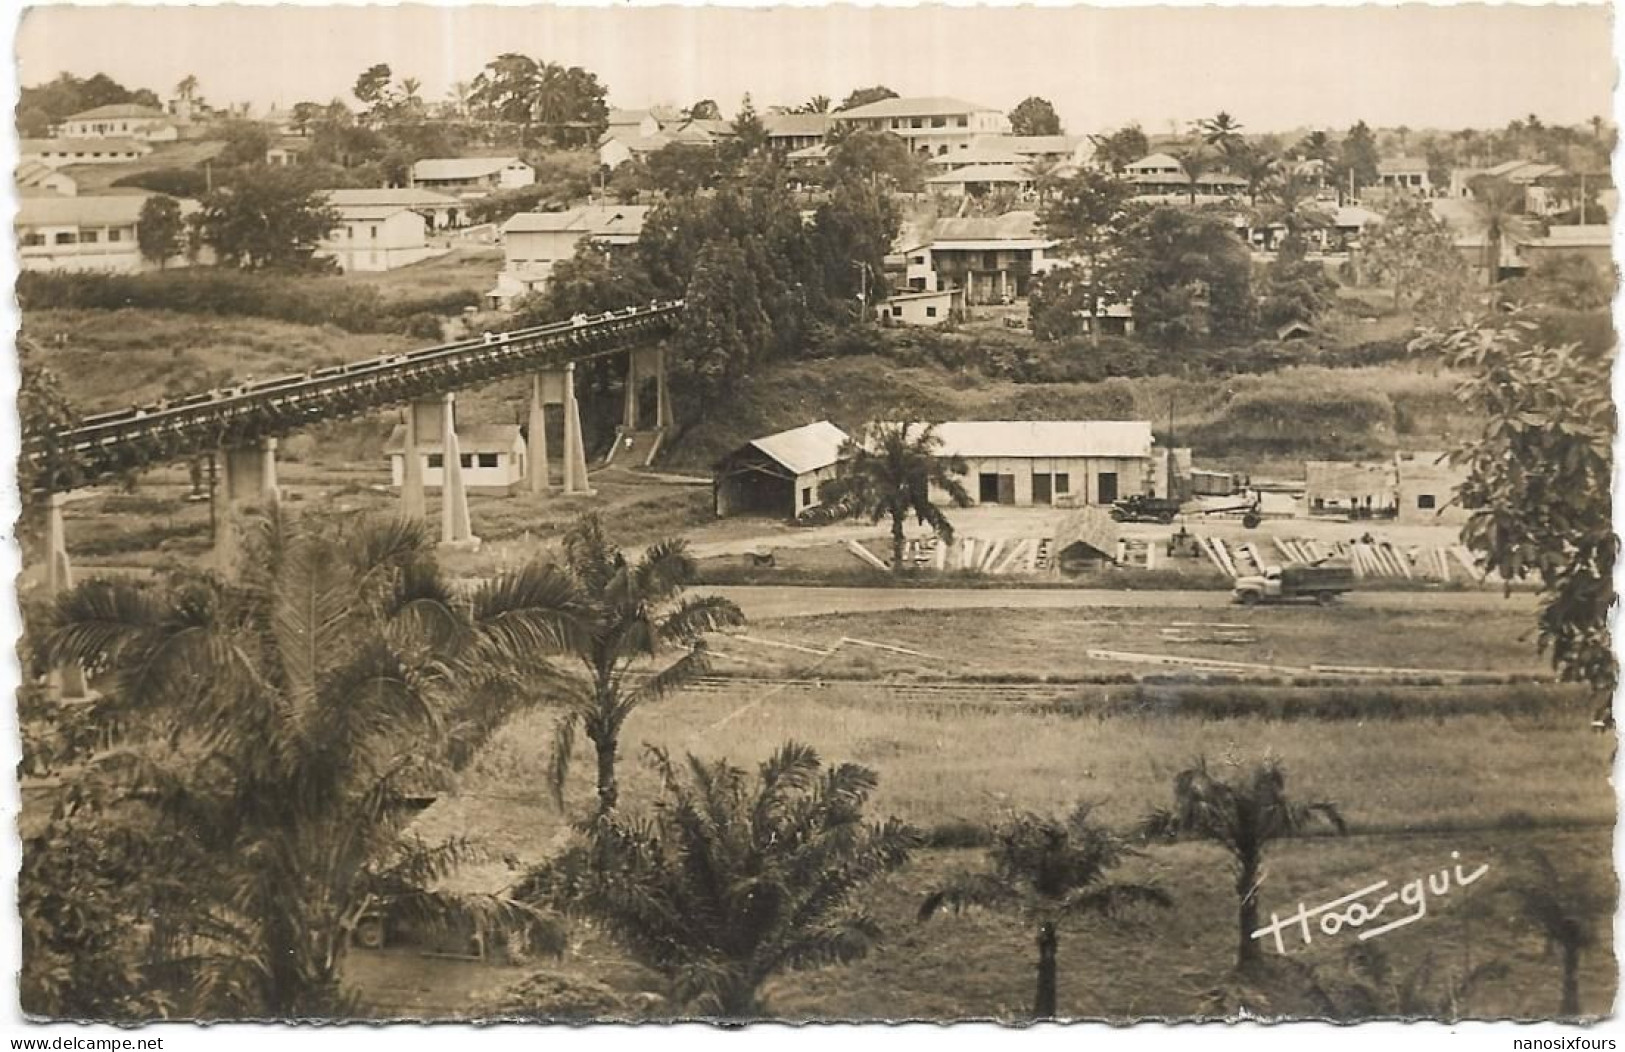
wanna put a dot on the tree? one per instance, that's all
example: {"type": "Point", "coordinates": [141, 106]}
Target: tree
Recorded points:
{"type": "Point", "coordinates": [1087, 219]}
{"type": "Point", "coordinates": [1048, 871]}
{"type": "Point", "coordinates": [1258, 166]}
{"type": "Point", "coordinates": [372, 87]}
{"type": "Point", "coordinates": [1034, 116]}
{"type": "Point", "coordinates": [890, 472]}
{"type": "Point", "coordinates": [1538, 477]}
{"type": "Point", "coordinates": [269, 218]}
{"type": "Point", "coordinates": [1294, 288]}
{"type": "Point", "coordinates": [1222, 132]}
{"type": "Point", "coordinates": [1498, 207]}
{"type": "Point", "coordinates": [625, 613]}
{"type": "Point", "coordinates": [186, 90]}
{"type": "Point", "coordinates": [864, 96]}
{"type": "Point", "coordinates": [1122, 147]}
{"type": "Point", "coordinates": [679, 169]}
{"type": "Point", "coordinates": [1357, 158]}
{"type": "Point", "coordinates": [703, 110]}
{"type": "Point", "coordinates": [160, 230]}
{"type": "Point", "coordinates": [1195, 164]}
{"type": "Point", "coordinates": [877, 157]}
{"type": "Point", "coordinates": [516, 89]}
{"type": "Point", "coordinates": [816, 104]}
{"type": "Point", "coordinates": [596, 279]}
{"type": "Point", "coordinates": [44, 414]}
{"type": "Point", "coordinates": [852, 231]}
{"type": "Point", "coordinates": [734, 880]}
{"type": "Point", "coordinates": [246, 143]}
{"type": "Point", "coordinates": [750, 134]}
{"type": "Point", "coordinates": [1564, 910]}
{"type": "Point", "coordinates": [1188, 276]}
{"type": "Point", "coordinates": [1566, 281]}
{"type": "Point", "coordinates": [1241, 815]}
{"type": "Point", "coordinates": [1415, 252]}
{"type": "Point", "coordinates": [288, 713]}
{"type": "Point", "coordinates": [1317, 146]}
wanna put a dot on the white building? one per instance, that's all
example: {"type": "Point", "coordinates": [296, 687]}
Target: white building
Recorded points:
{"type": "Point", "coordinates": [779, 474]}
{"type": "Point", "coordinates": [88, 233]}
{"type": "Point", "coordinates": [472, 176]}
{"type": "Point", "coordinates": [923, 309]}
{"type": "Point", "coordinates": [1044, 462]}
{"type": "Point", "coordinates": [535, 242]}
{"type": "Point", "coordinates": [57, 153]}
{"type": "Point", "coordinates": [35, 178]}
{"type": "Point", "coordinates": [492, 458]}
{"type": "Point", "coordinates": [123, 121]}
{"type": "Point", "coordinates": [377, 237]}
{"type": "Point", "coordinates": [438, 210]}
{"type": "Point", "coordinates": [929, 125]}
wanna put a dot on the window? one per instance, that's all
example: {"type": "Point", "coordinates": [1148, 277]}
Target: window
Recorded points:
{"type": "Point", "coordinates": [90, 237]}
{"type": "Point", "coordinates": [66, 237]}
{"type": "Point", "coordinates": [919, 259]}
{"type": "Point", "coordinates": [32, 239]}
{"type": "Point", "coordinates": [436, 461]}
{"type": "Point", "coordinates": [115, 234]}
{"type": "Point", "coordinates": [959, 122]}
{"type": "Point", "coordinates": [896, 311]}
{"type": "Point", "coordinates": [466, 460]}
{"type": "Point", "coordinates": [488, 460]}
{"type": "Point", "coordinates": [930, 312]}
{"type": "Point", "coordinates": [915, 122]}
{"type": "Point", "coordinates": [1425, 501]}
{"type": "Point", "coordinates": [374, 229]}
{"type": "Point", "coordinates": [806, 495]}
{"type": "Point", "coordinates": [1320, 503]}
{"type": "Point", "coordinates": [1063, 482]}
{"type": "Point", "coordinates": [939, 122]}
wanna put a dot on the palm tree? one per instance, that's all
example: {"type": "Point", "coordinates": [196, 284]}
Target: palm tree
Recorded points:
{"type": "Point", "coordinates": [625, 613]}
{"type": "Point", "coordinates": [1047, 870]}
{"type": "Point", "coordinates": [1258, 166]}
{"type": "Point", "coordinates": [1195, 164]}
{"type": "Point", "coordinates": [1317, 146]}
{"type": "Point", "coordinates": [734, 880]}
{"type": "Point", "coordinates": [1222, 132]}
{"type": "Point", "coordinates": [283, 718]}
{"type": "Point", "coordinates": [1498, 206]}
{"type": "Point", "coordinates": [890, 471]}
{"type": "Point", "coordinates": [1242, 816]}
{"type": "Point", "coordinates": [1563, 908]}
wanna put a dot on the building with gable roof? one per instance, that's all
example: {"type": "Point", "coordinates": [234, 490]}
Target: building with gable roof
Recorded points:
{"type": "Point", "coordinates": [930, 125]}
{"type": "Point", "coordinates": [1050, 462]}
{"type": "Point", "coordinates": [535, 242]}
{"type": "Point", "coordinates": [120, 121]}
{"type": "Point", "coordinates": [93, 232]}
{"type": "Point", "coordinates": [372, 237]}
{"type": "Point", "coordinates": [780, 474]}
{"type": "Point", "coordinates": [472, 176]}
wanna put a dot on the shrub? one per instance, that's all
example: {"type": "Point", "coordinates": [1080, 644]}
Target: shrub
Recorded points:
{"type": "Point", "coordinates": [175, 182]}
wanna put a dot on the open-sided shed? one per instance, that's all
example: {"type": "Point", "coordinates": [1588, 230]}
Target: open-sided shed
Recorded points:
{"type": "Point", "coordinates": [1086, 539]}
{"type": "Point", "coordinates": [778, 475]}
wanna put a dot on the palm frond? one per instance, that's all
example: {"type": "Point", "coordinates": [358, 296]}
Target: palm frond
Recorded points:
{"type": "Point", "coordinates": [695, 616]}
{"type": "Point", "coordinates": [969, 891]}
{"type": "Point", "coordinates": [1108, 900]}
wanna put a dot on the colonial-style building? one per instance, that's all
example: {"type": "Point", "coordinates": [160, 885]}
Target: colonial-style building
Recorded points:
{"type": "Point", "coordinates": [929, 125]}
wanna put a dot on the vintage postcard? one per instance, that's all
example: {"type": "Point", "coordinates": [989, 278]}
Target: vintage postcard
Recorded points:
{"type": "Point", "coordinates": [828, 513]}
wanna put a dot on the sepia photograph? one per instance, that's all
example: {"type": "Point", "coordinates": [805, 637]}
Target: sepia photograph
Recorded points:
{"type": "Point", "coordinates": [640, 514]}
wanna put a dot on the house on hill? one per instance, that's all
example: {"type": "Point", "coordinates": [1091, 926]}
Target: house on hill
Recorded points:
{"type": "Point", "coordinates": [60, 152]}
{"type": "Point", "coordinates": [472, 176]}
{"type": "Point", "coordinates": [535, 242]}
{"type": "Point", "coordinates": [93, 232]}
{"type": "Point", "coordinates": [120, 121]}
{"type": "Point", "coordinates": [438, 210]}
{"type": "Point", "coordinates": [931, 125]}
{"type": "Point", "coordinates": [780, 474]}
{"type": "Point", "coordinates": [789, 132]}
{"type": "Point", "coordinates": [492, 458]}
{"type": "Point", "coordinates": [991, 259]}
{"type": "Point", "coordinates": [34, 178]}
{"type": "Point", "coordinates": [376, 237]}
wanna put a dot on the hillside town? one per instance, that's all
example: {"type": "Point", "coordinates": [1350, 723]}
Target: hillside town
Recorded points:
{"type": "Point", "coordinates": [539, 553]}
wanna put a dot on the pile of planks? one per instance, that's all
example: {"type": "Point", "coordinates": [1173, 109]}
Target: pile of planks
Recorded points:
{"type": "Point", "coordinates": [1376, 559]}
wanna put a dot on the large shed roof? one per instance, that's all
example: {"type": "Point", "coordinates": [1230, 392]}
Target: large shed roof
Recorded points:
{"type": "Point", "coordinates": [1046, 438]}
{"type": "Point", "coordinates": [804, 449]}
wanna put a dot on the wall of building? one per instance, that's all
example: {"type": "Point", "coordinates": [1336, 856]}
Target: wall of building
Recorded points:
{"type": "Point", "coordinates": [379, 244]}
{"type": "Point", "coordinates": [478, 474]}
{"type": "Point", "coordinates": [807, 484]}
{"type": "Point", "coordinates": [1083, 475]}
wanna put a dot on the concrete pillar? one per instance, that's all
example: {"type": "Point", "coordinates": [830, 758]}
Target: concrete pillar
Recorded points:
{"type": "Point", "coordinates": [629, 399]}
{"type": "Point", "coordinates": [575, 453]}
{"type": "Point", "coordinates": [662, 393]}
{"type": "Point", "coordinates": [247, 479]}
{"type": "Point", "coordinates": [68, 682]}
{"type": "Point", "coordinates": [536, 467]}
{"type": "Point", "coordinates": [455, 528]}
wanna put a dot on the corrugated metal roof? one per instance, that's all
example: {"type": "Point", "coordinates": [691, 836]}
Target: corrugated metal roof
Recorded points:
{"type": "Point", "coordinates": [1046, 438]}
{"type": "Point", "coordinates": [1091, 526]}
{"type": "Point", "coordinates": [87, 210]}
{"type": "Point", "coordinates": [1012, 226]}
{"type": "Point", "coordinates": [924, 106]}
{"type": "Point", "coordinates": [590, 220]}
{"type": "Point", "coordinates": [1343, 478]}
{"type": "Point", "coordinates": [109, 144]}
{"type": "Point", "coordinates": [805, 449]}
{"type": "Point", "coordinates": [786, 124]}
{"type": "Point", "coordinates": [983, 173]}
{"type": "Point", "coordinates": [460, 167]}
{"type": "Point", "coordinates": [401, 197]}
{"type": "Point", "coordinates": [364, 213]}
{"type": "Point", "coordinates": [981, 153]}
{"type": "Point", "coordinates": [118, 109]}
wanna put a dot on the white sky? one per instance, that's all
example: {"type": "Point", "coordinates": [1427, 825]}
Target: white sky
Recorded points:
{"type": "Point", "coordinates": [1274, 68]}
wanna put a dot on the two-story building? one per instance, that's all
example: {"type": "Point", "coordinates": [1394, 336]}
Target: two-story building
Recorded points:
{"type": "Point", "coordinates": [1067, 150]}
{"type": "Point", "coordinates": [1408, 174]}
{"type": "Point", "coordinates": [85, 233]}
{"type": "Point", "coordinates": [440, 211]}
{"type": "Point", "coordinates": [990, 260]}
{"type": "Point", "coordinates": [472, 176]}
{"type": "Point", "coordinates": [789, 132]}
{"type": "Point", "coordinates": [372, 237]}
{"type": "Point", "coordinates": [1160, 175]}
{"type": "Point", "coordinates": [931, 126]}
{"type": "Point", "coordinates": [535, 242]}
{"type": "Point", "coordinates": [120, 121]}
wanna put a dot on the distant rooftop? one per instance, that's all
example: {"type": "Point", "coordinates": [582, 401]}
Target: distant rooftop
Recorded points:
{"type": "Point", "coordinates": [117, 110]}
{"type": "Point", "coordinates": [925, 106]}
{"type": "Point", "coordinates": [441, 168]}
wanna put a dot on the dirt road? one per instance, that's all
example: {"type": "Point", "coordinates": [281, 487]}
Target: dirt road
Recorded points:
{"type": "Point", "coordinates": [763, 602]}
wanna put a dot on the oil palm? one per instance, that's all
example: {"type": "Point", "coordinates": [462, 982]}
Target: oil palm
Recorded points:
{"type": "Point", "coordinates": [733, 880]}
{"type": "Point", "coordinates": [1047, 870]}
{"type": "Point", "coordinates": [1241, 815]}
{"type": "Point", "coordinates": [287, 715]}
{"type": "Point", "coordinates": [628, 614]}
{"type": "Point", "coordinates": [890, 472]}
{"type": "Point", "coordinates": [1195, 164]}
{"type": "Point", "coordinates": [1564, 910]}
{"type": "Point", "coordinates": [1498, 206]}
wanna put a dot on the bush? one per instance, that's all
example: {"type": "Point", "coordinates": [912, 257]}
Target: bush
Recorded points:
{"type": "Point", "coordinates": [304, 301]}
{"type": "Point", "coordinates": [175, 182]}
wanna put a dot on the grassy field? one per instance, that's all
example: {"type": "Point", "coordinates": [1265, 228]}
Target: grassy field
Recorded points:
{"type": "Point", "coordinates": [468, 267]}
{"type": "Point", "coordinates": [1413, 790]}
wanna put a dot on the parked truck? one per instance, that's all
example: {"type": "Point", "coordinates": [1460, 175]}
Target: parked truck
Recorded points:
{"type": "Point", "coordinates": [1322, 582]}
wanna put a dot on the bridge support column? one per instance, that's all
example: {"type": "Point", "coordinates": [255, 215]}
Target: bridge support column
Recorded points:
{"type": "Point", "coordinates": [247, 479]}
{"type": "Point", "coordinates": [662, 392]}
{"type": "Point", "coordinates": [422, 428]}
{"type": "Point", "coordinates": [537, 479]}
{"type": "Point", "coordinates": [629, 395]}
{"type": "Point", "coordinates": [67, 682]}
{"type": "Point", "coordinates": [575, 451]}
{"type": "Point", "coordinates": [455, 528]}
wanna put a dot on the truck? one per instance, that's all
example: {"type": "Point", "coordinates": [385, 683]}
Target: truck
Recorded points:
{"type": "Point", "coordinates": [1322, 582]}
{"type": "Point", "coordinates": [1140, 508]}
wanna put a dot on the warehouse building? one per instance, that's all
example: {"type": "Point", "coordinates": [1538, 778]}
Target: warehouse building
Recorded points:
{"type": "Point", "coordinates": [1425, 486]}
{"type": "Point", "coordinates": [778, 475]}
{"type": "Point", "coordinates": [1055, 462]}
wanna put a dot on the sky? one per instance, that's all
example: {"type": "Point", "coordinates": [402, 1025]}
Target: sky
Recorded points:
{"type": "Point", "coordinates": [1276, 69]}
